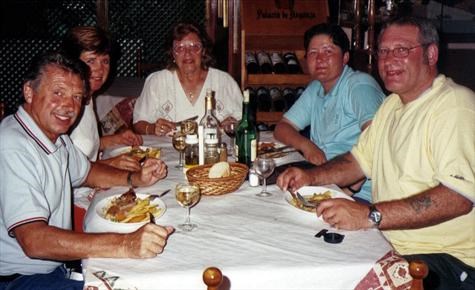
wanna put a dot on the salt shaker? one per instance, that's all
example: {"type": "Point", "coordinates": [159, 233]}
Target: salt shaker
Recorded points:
{"type": "Point", "coordinates": [253, 177]}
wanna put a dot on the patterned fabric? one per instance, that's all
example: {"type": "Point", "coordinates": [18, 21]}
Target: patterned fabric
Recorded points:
{"type": "Point", "coordinates": [119, 117]}
{"type": "Point", "coordinates": [391, 272]}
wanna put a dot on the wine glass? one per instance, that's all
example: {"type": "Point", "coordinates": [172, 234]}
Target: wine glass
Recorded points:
{"type": "Point", "coordinates": [230, 130]}
{"type": "Point", "coordinates": [264, 166]}
{"type": "Point", "coordinates": [178, 141]}
{"type": "Point", "coordinates": [187, 195]}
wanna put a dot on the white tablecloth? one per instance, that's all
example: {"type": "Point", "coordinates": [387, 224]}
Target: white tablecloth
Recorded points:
{"type": "Point", "coordinates": [258, 243]}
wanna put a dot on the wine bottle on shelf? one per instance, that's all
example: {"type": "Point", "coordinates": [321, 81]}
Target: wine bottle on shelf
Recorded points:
{"type": "Point", "coordinates": [246, 135]}
{"type": "Point", "coordinates": [289, 96]}
{"type": "Point", "coordinates": [264, 61]}
{"type": "Point", "coordinates": [252, 102]}
{"type": "Point", "coordinates": [264, 101]}
{"type": "Point", "coordinates": [293, 66]}
{"type": "Point", "coordinates": [251, 63]}
{"type": "Point", "coordinates": [298, 92]}
{"type": "Point", "coordinates": [278, 101]}
{"type": "Point", "coordinates": [210, 124]}
{"type": "Point", "coordinates": [277, 63]}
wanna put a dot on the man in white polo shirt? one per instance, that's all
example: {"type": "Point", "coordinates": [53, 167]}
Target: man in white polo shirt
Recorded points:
{"type": "Point", "coordinates": [39, 166]}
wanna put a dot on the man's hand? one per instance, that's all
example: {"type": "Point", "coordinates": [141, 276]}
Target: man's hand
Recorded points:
{"type": "Point", "coordinates": [293, 178]}
{"type": "Point", "coordinates": [152, 171]}
{"type": "Point", "coordinates": [147, 242]}
{"type": "Point", "coordinates": [344, 214]}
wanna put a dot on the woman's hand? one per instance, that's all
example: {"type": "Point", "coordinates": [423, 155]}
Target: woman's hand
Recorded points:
{"type": "Point", "coordinates": [226, 121]}
{"type": "Point", "coordinates": [163, 127]}
{"type": "Point", "coordinates": [127, 137]}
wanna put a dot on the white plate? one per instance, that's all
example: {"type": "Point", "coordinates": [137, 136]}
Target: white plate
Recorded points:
{"type": "Point", "coordinates": [126, 149]}
{"type": "Point", "coordinates": [111, 226]}
{"type": "Point", "coordinates": [310, 190]}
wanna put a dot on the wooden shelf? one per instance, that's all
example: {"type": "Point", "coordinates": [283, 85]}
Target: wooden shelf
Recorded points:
{"type": "Point", "coordinates": [278, 79]}
{"type": "Point", "coordinates": [269, 27]}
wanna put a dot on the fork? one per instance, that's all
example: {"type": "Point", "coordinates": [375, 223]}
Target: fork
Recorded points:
{"type": "Point", "coordinates": [304, 201]}
{"type": "Point", "coordinates": [154, 196]}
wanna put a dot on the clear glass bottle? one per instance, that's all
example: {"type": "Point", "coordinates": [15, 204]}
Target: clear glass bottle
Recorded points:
{"type": "Point", "coordinates": [191, 151]}
{"type": "Point", "coordinates": [210, 124]}
{"type": "Point", "coordinates": [246, 135]}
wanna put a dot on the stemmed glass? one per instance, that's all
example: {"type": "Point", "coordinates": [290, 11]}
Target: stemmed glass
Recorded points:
{"type": "Point", "coordinates": [187, 195]}
{"type": "Point", "coordinates": [178, 142]}
{"type": "Point", "coordinates": [230, 130]}
{"type": "Point", "coordinates": [264, 166]}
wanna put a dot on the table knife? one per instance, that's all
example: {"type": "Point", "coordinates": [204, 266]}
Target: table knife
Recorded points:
{"type": "Point", "coordinates": [189, 119]}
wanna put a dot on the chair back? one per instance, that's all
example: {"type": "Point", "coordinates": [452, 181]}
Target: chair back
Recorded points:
{"type": "Point", "coordinates": [418, 270]}
{"type": "Point", "coordinates": [212, 277]}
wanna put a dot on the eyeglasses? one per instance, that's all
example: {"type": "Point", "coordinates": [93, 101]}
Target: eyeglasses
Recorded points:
{"type": "Point", "coordinates": [397, 51]}
{"type": "Point", "coordinates": [193, 47]}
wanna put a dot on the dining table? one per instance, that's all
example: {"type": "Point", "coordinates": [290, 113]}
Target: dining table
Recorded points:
{"type": "Point", "coordinates": [257, 243]}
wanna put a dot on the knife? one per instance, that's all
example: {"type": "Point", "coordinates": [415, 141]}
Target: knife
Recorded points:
{"type": "Point", "coordinates": [273, 150]}
{"type": "Point", "coordinates": [189, 119]}
{"type": "Point", "coordinates": [278, 154]}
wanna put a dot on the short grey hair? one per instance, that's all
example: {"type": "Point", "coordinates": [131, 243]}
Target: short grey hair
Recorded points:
{"type": "Point", "coordinates": [427, 32]}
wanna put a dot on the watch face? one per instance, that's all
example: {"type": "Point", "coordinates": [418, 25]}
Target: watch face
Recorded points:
{"type": "Point", "coordinates": [375, 216]}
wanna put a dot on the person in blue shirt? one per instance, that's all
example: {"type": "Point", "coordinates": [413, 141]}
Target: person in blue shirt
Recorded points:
{"type": "Point", "coordinates": [338, 104]}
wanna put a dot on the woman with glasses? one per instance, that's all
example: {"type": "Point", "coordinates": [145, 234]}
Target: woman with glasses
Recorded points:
{"type": "Point", "coordinates": [178, 92]}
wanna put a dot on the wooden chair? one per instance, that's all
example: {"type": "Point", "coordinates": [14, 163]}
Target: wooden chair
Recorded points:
{"type": "Point", "coordinates": [212, 277]}
{"type": "Point", "coordinates": [418, 270]}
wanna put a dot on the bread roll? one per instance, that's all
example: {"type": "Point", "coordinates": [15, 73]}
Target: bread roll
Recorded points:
{"type": "Point", "coordinates": [220, 169]}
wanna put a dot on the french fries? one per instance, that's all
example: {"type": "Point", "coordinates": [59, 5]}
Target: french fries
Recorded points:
{"type": "Point", "coordinates": [314, 198]}
{"type": "Point", "coordinates": [130, 210]}
{"type": "Point", "coordinates": [139, 153]}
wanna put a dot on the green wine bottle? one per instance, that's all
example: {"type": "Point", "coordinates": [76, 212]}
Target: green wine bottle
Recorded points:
{"type": "Point", "coordinates": [246, 134]}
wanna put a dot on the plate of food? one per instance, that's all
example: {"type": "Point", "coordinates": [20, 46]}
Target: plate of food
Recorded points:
{"type": "Point", "coordinates": [273, 149]}
{"type": "Point", "coordinates": [128, 211]}
{"type": "Point", "coordinates": [314, 195]}
{"type": "Point", "coordinates": [140, 152]}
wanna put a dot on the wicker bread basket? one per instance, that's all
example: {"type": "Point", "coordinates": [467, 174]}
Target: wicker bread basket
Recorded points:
{"type": "Point", "coordinates": [217, 186]}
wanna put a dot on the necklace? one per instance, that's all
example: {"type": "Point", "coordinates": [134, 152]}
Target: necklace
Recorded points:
{"type": "Point", "coordinates": [190, 95]}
